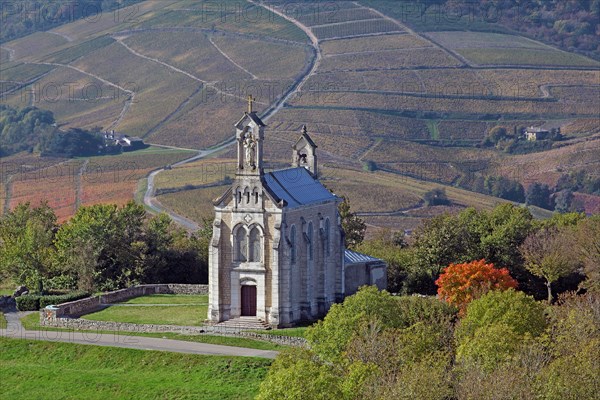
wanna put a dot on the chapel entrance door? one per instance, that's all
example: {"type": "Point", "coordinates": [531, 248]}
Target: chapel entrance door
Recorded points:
{"type": "Point", "coordinates": [248, 301]}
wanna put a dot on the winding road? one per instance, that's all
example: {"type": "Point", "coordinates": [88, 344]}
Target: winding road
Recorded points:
{"type": "Point", "coordinates": [15, 330]}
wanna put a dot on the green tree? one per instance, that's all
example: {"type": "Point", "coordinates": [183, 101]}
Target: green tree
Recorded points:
{"type": "Point", "coordinates": [539, 195]}
{"type": "Point", "coordinates": [354, 227]}
{"type": "Point", "coordinates": [496, 325]}
{"type": "Point", "coordinates": [108, 241]}
{"type": "Point", "coordinates": [473, 235]}
{"type": "Point", "coordinates": [574, 346]}
{"type": "Point", "coordinates": [26, 236]}
{"type": "Point", "coordinates": [297, 374]}
{"type": "Point", "coordinates": [548, 254]}
{"type": "Point", "coordinates": [587, 237]}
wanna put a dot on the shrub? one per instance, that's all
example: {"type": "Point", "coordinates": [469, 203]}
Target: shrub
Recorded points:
{"type": "Point", "coordinates": [28, 302]}
{"type": "Point", "coordinates": [34, 302]}
{"type": "Point", "coordinates": [63, 298]}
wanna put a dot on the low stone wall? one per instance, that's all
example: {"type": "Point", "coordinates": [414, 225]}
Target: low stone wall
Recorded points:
{"type": "Point", "coordinates": [64, 316]}
{"type": "Point", "coordinates": [95, 303]}
{"type": "Point", "coordinates": [47, 318]}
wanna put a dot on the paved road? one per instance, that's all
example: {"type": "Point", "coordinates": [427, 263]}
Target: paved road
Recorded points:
{"type": "Point", "coordinates": [15, 330]}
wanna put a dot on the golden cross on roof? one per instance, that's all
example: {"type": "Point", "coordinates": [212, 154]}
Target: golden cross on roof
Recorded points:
{"type": "Point", "coordinates": [250, 101]}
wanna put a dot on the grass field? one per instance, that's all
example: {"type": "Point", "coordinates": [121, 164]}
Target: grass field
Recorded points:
{"type": "Point", "coordinates": [157, 309]}
{"type": "Point", "coordinates": [2, 321]}
{"type": "Point", "coordinates": [170, 299]}
{"type": "Point", "coordinates": [69, 371]}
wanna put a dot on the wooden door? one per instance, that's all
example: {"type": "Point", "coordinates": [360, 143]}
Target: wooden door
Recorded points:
{"type": "Point", "coordinates": [248, 301]}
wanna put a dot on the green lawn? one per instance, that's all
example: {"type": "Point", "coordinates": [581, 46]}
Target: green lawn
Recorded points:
{"type": "Point", "coordinates": [36, 370]}
{"type": "Point", "coordinates": [162, 315]}
{"type": "Point", "coordinates": [201, 299]}
{"type": "Point", "coordinates": [32, 322]}
{"type": "Point", "coordinates": [293, 332]}
{"type": "Point", "coordinates": [2, 321]}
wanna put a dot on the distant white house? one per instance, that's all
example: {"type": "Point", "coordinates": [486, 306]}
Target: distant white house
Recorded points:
{"type": "Point", "coordinates": [535, 133]}
{"type": "Point", "coordinates": [128, 143]}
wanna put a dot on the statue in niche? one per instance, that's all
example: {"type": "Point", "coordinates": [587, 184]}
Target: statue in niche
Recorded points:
{"type": "Point", "coordinates": [250, 146]}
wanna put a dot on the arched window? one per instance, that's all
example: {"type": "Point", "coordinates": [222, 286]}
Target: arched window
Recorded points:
{"type": "Point", "coordinates": [247, 193]}
{"type": "Point", "coordinates": [241, 245]}
{"type": "Point", "coordinates": [327, 239]}
{"type": "Point", "coordinates": [255, 195]}
{"type": "Point", "coordinates": [309, 233]}
{"type": "Point", "coordinates": [254, 245]}
{"type": "Point", "coordinates": [239, 196]}
{"type": "Point", "coordinates": [293, 244]}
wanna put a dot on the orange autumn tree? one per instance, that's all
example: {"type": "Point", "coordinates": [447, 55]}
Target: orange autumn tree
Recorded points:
{"type": "Point", "coordinates": [459, 284]}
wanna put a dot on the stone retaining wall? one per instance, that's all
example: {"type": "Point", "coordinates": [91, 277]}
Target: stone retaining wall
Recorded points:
{"type": "Point", "coordinates": [47, 318]}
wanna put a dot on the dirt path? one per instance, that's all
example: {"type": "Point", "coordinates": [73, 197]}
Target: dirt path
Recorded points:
{"type": "Point", "coordinates": [129, 92]}
{"type": "Point", "coordinates": [62, 35]}
{"type": "Point", "coordinates": [11, 53]}
{"type": "Point", "coordinates": [173, 68]}
{"type": "Point", "coordinates": [230, 59]}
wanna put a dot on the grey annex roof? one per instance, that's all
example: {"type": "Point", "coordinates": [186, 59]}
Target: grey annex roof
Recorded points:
{"type": "Point", "coordinates": [351, 257]}
{"type": "Point", "coordinates": [297, 187]}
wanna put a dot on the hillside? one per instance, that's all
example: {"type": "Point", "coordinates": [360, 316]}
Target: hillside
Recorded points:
{"type": "Point", "coordinates": [372, 87]}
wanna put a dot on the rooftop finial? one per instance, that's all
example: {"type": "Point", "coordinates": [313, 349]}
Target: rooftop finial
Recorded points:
{"type": "Point", "coordinates": [250, 101]}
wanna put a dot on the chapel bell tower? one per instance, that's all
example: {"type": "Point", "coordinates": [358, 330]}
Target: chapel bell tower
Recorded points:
{"type": "Point", "coordinates": [304, 153]}
{"type": "Point", "coordinates": [249, 137]}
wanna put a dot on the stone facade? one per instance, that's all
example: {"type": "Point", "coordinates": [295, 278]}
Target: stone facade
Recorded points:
{"type": "Point", "coordinates": [277, 252]}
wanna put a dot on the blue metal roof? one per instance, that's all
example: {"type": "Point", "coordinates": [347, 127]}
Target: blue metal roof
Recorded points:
{"type": "Point", "coordinates": [297, 187]}
{"type": "Point", "coordinates": [351, 257]}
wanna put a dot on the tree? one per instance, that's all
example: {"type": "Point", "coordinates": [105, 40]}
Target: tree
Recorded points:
{"type": "Point", "coordinates": [354, 227]}
{"type": "Point", "coordinates": [473, 235]}
{"type": "Point", "coordinates": [460, 284]}
{"type": "Point", "coordinates": [26, 236]}
{"type": "Point", "coordinates": [436, 197]}
{"type": "Point", "coordinates": [106, 239]}
{"type": "Point", "coordinates": [298, 374]}
{"type": "Point", "coordinates": [548, 254]}
{"type": "Point", "coordinates": [587, 237]}
{"type": "Point", "coordinates": [495, 325]}
{"type": "Point", "coordinates": [539, 195]}
{"type": "Point", "coordinates": [563, 200]}
{"type": "Point", "coordinates": [371, 346]}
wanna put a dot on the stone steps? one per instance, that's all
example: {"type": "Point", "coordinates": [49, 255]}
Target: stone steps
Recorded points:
{"type": "Point", "coordinates": [244, 323]}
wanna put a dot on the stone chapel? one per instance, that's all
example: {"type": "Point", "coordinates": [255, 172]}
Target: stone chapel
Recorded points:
{"type": "Point", "coordinates": [277, 251]}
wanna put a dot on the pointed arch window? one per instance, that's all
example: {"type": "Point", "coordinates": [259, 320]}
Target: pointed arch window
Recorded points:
{"type": "Point", "coordinates": [254, 245]}
{"type": "Point", "coordinates": [241, 245]}
{"type": "Point", "coordinates": [293, 244]}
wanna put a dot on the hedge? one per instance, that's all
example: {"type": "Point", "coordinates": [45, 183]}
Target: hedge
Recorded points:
{"type": "Point", "coordinates": [33, 302]}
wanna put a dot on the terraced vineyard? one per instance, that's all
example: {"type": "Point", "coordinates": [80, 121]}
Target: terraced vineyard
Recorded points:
{"type": "Point", "coordinates": [414, 98]}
